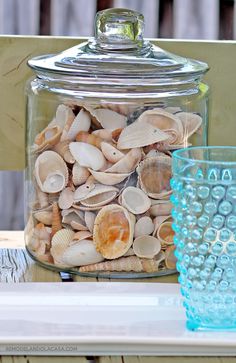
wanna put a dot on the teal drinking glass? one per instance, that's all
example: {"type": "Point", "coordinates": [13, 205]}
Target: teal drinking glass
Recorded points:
{"type": "Point", "coordinates": [204, 214]}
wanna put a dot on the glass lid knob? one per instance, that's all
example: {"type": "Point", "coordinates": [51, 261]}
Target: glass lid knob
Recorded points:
{"type": "Point", "coordinates": [119, 29]}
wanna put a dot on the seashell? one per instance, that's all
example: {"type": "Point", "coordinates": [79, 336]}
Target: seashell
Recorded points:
{"type": "Point", "coordinates": [44, 215]}
{"type": "Point", "coordinates": [130, 252]}
{"type": "Point", "coordinates": [74, 218]}
{"type": "Point", "coordinates": [99, 196]}
{"type": "Point", "coordinates": [51, 172]}
{"type": "Point", "coordinates": [121, 108]}
{"type": "Point", "coordinates": [80, 254]}
{"type": "Point", "coordinates": [144, 226]}
{"type": "Point", "coordinates": [154, 153]}
{"type": "Point", "coordinates": [79, 236]}
{"type": "Point", "coordinates": [56, 219]}
{"type": "Point", "coordinates": [87, 155]}
{"type": "Point", "coordinates": [116, 134]}
{"type": "Point", "coordinates": [64, 116]}
{"type": "Point", "coordinates": [160, 207]}
{"type": "Point", "coordinates": [42, 197]}
{"type": "Point", "coordinates": [104, 134]}
{"type": "Point", "coordinates": [126, 264]}
{"type": "Point", "coordinates": [157, 221]}
{"type": "Point", "coordinates": [42, 232]}
{"type": "Point", "coordinates": [60, 242]}
{"type": "Point", "coordinates": [135, 200]}
{"type": "Point", "coordinates": [191, 123]}
{"type": "Point", "coordinates": [109, 119]}
{"type": "Point", "coordinates": [172, 109]}
{"type": "Point", "coordinates": [165, 233]}
{"type": "Point", "coordinates": [128, 163]}
{"type": "Point", "coordinates": [47, 138]}
{"type": "Point", "coordinates": [170, 259]}
{"type": "Point", "coordinates": [66, 198]}
{"type": "Point", "coordinates": [79, 174]}
{"type": "Point", "coordinates": [83, 191]}
{"type": "Point", "coordinates": [154, 176]}
{"type": "Point", "coordinates": [146, 246]}
{"type": "Point", "coordinates": [89, 218]}
{"type": "Point", "coordinates": [108, 178]}
{"type": "Point", "coordinates": [81, 122]}
{"type": "Point", "coordinates": [62, 148]}
{"type": "Point", "coordinates": [88, 138]}
{"type": "Point", "coordinates": [113, 231]}
{"type": "Point", "coordinates": [111, 153]}
{"type": "Point", "coordinates": [137, 135]}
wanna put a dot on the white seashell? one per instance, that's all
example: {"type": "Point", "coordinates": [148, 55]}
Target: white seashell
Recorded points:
{"type": "Point", "coordinates": [99, 196]}
{"type": "Point", "coordinates": [138, 134]}
{"type": "Point", "coordinates": [51, 172]}
{"type": "Point", "coordinates": [63, 114]}
{"type": "Point", "coordinates": [81, 253]}
{"type": "Point", "coordinates": [74, 218]}
{"type": "Point", "coordinates": [79, 174]}
{"type": "Point", "coordinates": [109, 119]}
{"type": "Point", "coordinates": [89, 218]}
{"type": "Point", "coordinates": [83, 191]}
{"type": "Point", "coordinates": [79, 236]}
{"type": "Point", "coordinates": [144, 226]}
{"type": "Point", "coordinates": [87, 155]}
{"type": "Point", "coordinates": [128, 163]}
{"type": "Point", "coordinates": [42, 198]}
{"type": "Point", "coordinates": [60, 242]}
{"type": "Point", "coordinates": [62, 148]}
{"type": "Point", "coordinates": [111, 153]}
{"type": "Point", "coordinates": [146, 246]}
{"type": "Point", "coordinates": [108, 178]}
{"type": "Point", "coordinates": [104, 134]}
{"type": "Point", "coordinates": [66, 198]}
{"type": "Point", "coordinates": [81, 122]}
{"type": "Point", "coordinates": [160, 207]}
{"type": "Point", "coordinates": [44, 215]}
{"type": "Point", "coordinates": [135, 200]}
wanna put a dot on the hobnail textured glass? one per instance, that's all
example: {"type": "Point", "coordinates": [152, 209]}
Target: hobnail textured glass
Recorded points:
{"type": "Point", "coordinates": [204, 213]}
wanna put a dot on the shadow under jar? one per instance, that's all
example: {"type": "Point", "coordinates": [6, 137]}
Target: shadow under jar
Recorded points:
{"type": "Point", "coordinates": [103, 120]}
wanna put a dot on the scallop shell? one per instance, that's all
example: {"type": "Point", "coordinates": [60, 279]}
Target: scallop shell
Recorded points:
{"type": "Point", "coordinates": [44, 215]}
{"type": "Point", "coordinates": [170, 259]}
{"type": "Point", "coordinates": [79, 174]}
{"type": "Point", "coordinates": [146, 246]}
{"type": "Point", "coordinates": [56, 219]}
{"type": "Point", "coordinates": [160, 207]}
{"type": "Point", "coordinates": [80, 254]}
{"type": "Point", "coordinates": [111, 153]}
{"type": "Point", "coordinates": [60, 242]}
{"type": "Point", "coordinates": [165, 233]}
{"type": "Point", "coordinates": [144, 226]}
{"type": "Point", "coordinates": [87, 155]}
{"type": "Point", "coordinates": [62, 148]}
{"type": "Point", "coordinates": [137, 135]}
{"type": "Point", "coordinates": [128, 163]}
{"type": "Point", "coordinates": [191, 123]}
{"type": "Point", "coordinates": [113, 231]}
{"type": "Point", "coordinates": [51, 172]}
{"type": "Point", "coordinates": [74, 218]}
{"type": "Point", "coordinates": [99, 196]}
{"type": "Point", "coordinates": [66, 198]}
{"type": "Point", "coordinates": [81, 122]}
{"type": "Point", "coordinates": [154, 176]}
{"type": "Point", "coordinates": [88, 138]}
{"type": "Point", "coordinates": [126, 264]}
{"type": "Point", "coordinates": [81, 235]}
{"type": "Point", "coordinates": [47, 138]}
{"type": "Point", "coordinates": [109, 178]}
{"type": "Point", "coordinates": [89, 218]}
{"type": "Point", "coordinates": [109, 119]}
{"type": "Point", "coordinates": [135, 200]}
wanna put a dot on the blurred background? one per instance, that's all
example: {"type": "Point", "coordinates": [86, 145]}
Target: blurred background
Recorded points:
{"type": "Point", "coordinates": [179, 19]}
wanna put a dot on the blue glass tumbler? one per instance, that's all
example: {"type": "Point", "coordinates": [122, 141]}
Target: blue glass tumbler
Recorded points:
{"type": "Point", "coordinates": [204, 213]}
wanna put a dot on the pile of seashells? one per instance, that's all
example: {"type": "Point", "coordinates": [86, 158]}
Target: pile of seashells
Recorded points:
{"type": "Point", "coordinates": [102, 187]}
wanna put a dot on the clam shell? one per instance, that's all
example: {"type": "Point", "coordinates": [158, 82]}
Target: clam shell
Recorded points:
{"type": "Point", "coordinates": [108, 178]}
{"type": "Point", "coordinates": [154, 176]}
{"type": "Point", "coordinates": [111, 153]}
{"type": "Point", "coordinates": [87, 155]}
{"type": "Point", "coordinates": [170, 259]}
{"type": "Point", "coordinates": [135, 200]}
{"type": "Point", "coordinates": [157, 221]}
{"type": "Point", "coordinates": [104, 134]}
{"type": "Point", "coordinates": [144, 226]}
{"type": "Point", "coordinates": [81, 235]}
{"type": "Point", "coordinates": [51, 172]}
{"type": "Point", "coordinates": [109, 119]}
{"type": "Point", "coordinates": [146, 246]}
{"type": "Point", "coordinates": [128, 163]}
{"type": "Point", "coordinates": [160, 207]}
{"type": "Point", "coordinates": [81, 122]}
{"type": "Point", "coordinates": [89, 218]}
{"type": "Point", "coordinates": [81, 253]}
{"type": "Point", "coordinates": [66, 198]}
{"type": "Point", "coordinates": [113, 231]}
{"type": "Point", "coordinates": [165, 233]}
{"type": "Point", "coordinates": [60, 242]}
{"type": "Point", "coordinates": [47, 138]}
{"type": "Point", "coordinates": [138, 135]}
{"type": "Point", "coordinates": [62, 148]}
{"type": "Point", "coordinates": [64, 116]}
{"type": "Point", "coordinates": [191, 123]}
{"type": "Point", "coordinates": [79, 174]}
{"type": "Point", "coordinates": [88, 138]}
{"type": "Point", "coordinates": [99, 196]}
{"type": "Point", "coordinates": [83, 191]}
{"type": "Point", "coordinates": [44, 215]}
{"type": "Point", "coordinates": [56, 218]}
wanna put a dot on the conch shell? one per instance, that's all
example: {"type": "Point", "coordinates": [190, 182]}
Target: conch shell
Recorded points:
{"type": "Point", "coordinates": [51, 172]}
{"type": "Point", "coordinates": [113, 231]}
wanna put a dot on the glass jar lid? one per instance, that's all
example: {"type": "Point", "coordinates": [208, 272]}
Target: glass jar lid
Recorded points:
{"type": "Point", "coordinates": [119, 54]}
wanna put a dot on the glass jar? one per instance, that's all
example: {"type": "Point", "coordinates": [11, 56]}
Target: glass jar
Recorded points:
{"type": "Point", "coordinates": [103, 120]}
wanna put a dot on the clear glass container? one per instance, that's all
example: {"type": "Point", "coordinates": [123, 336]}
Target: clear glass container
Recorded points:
{"type": "Point", "coordinates": [103, 120]}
